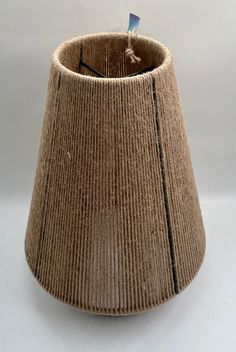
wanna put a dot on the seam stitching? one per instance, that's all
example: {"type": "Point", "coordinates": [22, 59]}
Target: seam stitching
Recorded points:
{"type": "Point", "coordinates": [164, 188]}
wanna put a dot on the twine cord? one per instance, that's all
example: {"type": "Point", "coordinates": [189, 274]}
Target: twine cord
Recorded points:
{"type": "Point", "coordinates": [129, 52]}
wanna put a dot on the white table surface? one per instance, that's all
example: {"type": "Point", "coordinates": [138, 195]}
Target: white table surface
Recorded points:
{"type": "Point", "coordinates": [201, 318]}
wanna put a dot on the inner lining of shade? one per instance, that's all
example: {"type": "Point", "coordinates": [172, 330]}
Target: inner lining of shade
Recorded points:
{"type": "Point", "coordinates": [104, 56]}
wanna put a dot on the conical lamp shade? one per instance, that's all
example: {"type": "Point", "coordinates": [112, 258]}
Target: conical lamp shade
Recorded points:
{"type": "Point", "coordinates": [115, 226]}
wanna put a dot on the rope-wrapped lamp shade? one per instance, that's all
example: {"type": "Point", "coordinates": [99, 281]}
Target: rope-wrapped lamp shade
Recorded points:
{"type": "Point", "coordinates": [115, 226]}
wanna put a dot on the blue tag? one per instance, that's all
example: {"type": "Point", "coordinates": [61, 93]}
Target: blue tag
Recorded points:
{"type": "Point", "coordinates": [133, 23]}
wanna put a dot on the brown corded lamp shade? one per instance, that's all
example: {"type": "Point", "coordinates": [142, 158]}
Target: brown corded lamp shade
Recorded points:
{"type": "Point", "coordinates": [115, 226]}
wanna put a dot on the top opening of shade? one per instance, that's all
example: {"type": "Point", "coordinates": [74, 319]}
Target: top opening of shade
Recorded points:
{"type": "Point", "coordinates": [103, 55]}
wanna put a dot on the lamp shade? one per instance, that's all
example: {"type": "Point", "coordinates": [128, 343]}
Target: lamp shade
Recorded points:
{"type": "Point", "coordinates": [115, 225]}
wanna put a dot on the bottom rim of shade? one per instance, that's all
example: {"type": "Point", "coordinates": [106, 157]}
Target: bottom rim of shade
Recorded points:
{"type": "Point", "coordinates": [112, 312]}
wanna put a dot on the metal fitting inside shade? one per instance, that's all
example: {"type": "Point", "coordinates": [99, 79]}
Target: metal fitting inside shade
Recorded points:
{"type": "Point", "coordinates": [104, 56]}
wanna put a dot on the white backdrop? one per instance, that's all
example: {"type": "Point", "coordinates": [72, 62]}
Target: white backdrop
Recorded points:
{"type": "Point", "coordinates": [201, 35]}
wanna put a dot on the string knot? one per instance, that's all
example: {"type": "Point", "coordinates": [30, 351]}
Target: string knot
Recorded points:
{"type": "Point", "coordinates": [129, 52]}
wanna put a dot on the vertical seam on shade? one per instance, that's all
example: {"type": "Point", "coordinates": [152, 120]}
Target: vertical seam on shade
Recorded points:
{"type": "Point", "coordinates": [80, 56]}
{"type": "Point", "coordinates": [43, 222]}
{"type": "Point", "coordinates": [163, 182]}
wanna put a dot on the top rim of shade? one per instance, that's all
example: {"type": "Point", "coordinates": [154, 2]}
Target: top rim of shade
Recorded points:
{"type": "Point", "coordinates": [55, 59]}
